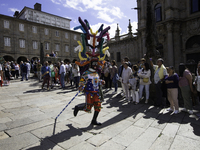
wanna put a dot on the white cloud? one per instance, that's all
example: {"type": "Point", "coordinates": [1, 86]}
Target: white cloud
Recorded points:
{"type": "Point", "coordinates": [3, 4]}
{"type": "Point", "coordinates": [102, 8]}
{"type": "Point", "coordinates": [56, 1]}
{"type": "Point", "coordinates": [13, 9]}
{"type": "Point", "coordinates": [105, 17]}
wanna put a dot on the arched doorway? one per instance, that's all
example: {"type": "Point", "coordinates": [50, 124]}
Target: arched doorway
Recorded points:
{"type": "Point", "coordinates": [8, 58]}
{"type": "Point", "coordinates": [193, 51]}
{"type": "Point", "coordinates": [21, 58]}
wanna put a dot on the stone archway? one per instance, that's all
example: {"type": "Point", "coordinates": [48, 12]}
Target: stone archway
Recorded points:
{"type": "Point", "coordinates": [8, 58]}
{"type": "Point", "coordinates": [21, 58]}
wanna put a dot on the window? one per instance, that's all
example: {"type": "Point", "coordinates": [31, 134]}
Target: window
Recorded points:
{"type": "Point", "coordinates": [21, 43]}
{"type": "Point", "coordinates": [118, 57]}
{"type": "Point", "coordinates": [57, 33]}
{"type": "Point", "coordinates": [6, 41]}
{"type": "Point", "coordinates": [66, 48]}
{"type": "Point", "coordinates": [34, 29]}
{"type": "Point", "coordinates": [46, 31]}
{"type": "Point", "coordinates": [66, 35]}
{"type": "Point", "coordinates": [6, 24]}
{"type": "Point", "coordinates": [57, 47]}
{"type": "Point", "coordinates": [47, 45]}
{"type": "Point", "coordinates": [195, 6]}
{"type": "Point", "coordinates": [112, 56]}
{"type": "Point", "coordinates": [158, 12]}
{"type": "Point", "coordinates": [75, 37]}
{"type": "Point", "coordinates": [21, 27]}
{"type": "Point", "coordinates": [35, 45]}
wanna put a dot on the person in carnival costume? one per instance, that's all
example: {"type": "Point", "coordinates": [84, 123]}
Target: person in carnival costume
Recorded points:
{"type": "Point", "coordinates": [90, 82]}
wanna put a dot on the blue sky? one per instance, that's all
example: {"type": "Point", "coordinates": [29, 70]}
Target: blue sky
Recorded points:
{"type": "Point", "coordinates": [108, 12]}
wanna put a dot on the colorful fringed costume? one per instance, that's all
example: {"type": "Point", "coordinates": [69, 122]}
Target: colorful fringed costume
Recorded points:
{"type": "Point", "coordinates": [90, 81]}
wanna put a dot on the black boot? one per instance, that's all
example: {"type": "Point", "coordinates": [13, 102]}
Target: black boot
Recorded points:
{"type": "Point", "coordinates": [76, 109]}
{"type": "Point", "coordinates": [94, 120]}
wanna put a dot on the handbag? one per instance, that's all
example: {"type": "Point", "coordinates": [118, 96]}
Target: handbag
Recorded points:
{"type": "Point", "coordinates": [145, 80]}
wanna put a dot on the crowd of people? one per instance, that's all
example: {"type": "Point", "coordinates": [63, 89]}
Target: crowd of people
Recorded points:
{"type": "Point", "coordinates": [135, 79]}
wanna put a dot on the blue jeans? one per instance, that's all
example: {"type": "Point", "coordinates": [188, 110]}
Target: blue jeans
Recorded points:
{"type": "Point", "coordinates": [62, 79]}
{"type": "Point", "coordinates": [115, 82]}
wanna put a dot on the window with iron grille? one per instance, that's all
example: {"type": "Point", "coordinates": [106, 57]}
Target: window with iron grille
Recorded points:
{"type": "Point", "coordinates": [7, 41]}
{"type": "Point", "coordinates": [21, 43]}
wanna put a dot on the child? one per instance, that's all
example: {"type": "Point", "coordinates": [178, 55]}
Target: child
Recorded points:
{"type": "Point", "coordinates": [134, 84]}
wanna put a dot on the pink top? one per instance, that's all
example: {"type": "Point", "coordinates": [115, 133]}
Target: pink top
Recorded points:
{"type": "Point", "coordinates": [183, 81]}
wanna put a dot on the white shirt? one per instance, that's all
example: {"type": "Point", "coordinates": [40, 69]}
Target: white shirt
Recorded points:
{"type": "Point", "coordinates": [28, 66]}
{"type": "Point", "coordinates": [17, 67]}
{"type": "Point", "coordinates": [145, 74]}
{"type": "Point", "coordinates": [0, 67]}
{"type": "Point", "coordinates": [126, 73]}
{"type": "Point", "coordinates": [67, 67]}
{"type": "Point", "coordinates": [156, 75]}
{"type": "Point", "coordinates": [76, 72]}
{"type": "Point", "coordinates": [62, 69]}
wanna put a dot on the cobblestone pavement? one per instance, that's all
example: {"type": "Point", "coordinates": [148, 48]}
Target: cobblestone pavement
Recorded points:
{"type": "Point", "coordinates": [27, 119]}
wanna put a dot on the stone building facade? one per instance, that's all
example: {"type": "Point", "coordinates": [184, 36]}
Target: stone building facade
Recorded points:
{"type": "Point", "coordinates": [21, 36]}
{"type": "Point", "coordinates": [178, 32]}
{"type": "Point", "coordinates": [123, 45]}
{"type": "Point", "coordinates": [177, 26]}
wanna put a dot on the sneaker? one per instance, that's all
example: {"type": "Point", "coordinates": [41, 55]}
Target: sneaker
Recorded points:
{"type": "Point", "coordinates": [184, 110]}
{"type": "Point", "coordinates": [190, 112]}
{"type": "Point", "coordinates": [136, 103]}
{"type": "Point", "coordinates": [146, 101]}
{"type": "Point", "coordinates": [176, 111]}
{"type": "Point", "coordinates": [169, 109]}
{"type": "Point", "coordinates": [114, 92]}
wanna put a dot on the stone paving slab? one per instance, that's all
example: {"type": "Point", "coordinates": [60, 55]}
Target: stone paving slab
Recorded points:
{"type": "Point", "coordinates": [27, 117]}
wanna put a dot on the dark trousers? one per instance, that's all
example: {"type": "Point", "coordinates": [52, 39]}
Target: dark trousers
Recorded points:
{"type": "Point", "coordinates": [17, 73]}
{"type": "Point", "coordinates": [76, 81]}
{"type": "Point", "coordinates": [108, 82]}
{"type": "Point", "coordinates": [159, 95]}
{"type": "Point", "coordinates": [46, 80]}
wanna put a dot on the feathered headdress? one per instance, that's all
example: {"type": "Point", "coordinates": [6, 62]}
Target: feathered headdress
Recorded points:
{"type": "Point", "coordinates": [95, 41]}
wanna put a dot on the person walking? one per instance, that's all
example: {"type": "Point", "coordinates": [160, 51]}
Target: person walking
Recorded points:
{"type": "Point", "coordinates": [172, 90]}
{"type": "Point", "coordinates": [185, 84]}
{"type": "Point", "coordinates": [28, 69]}
{"type": "Point", "coordinates": [39, 74]}
{"type": "Point", "coordinates": [159, 75]}
{"type": "Point", "coordinates": [114, 76]}
{"type": "Point", "coordinates": [16, 70]}
{"type": "Point", "coordinates": [145, 81]}
{"type": "Point", "coordinates": [24, 71]}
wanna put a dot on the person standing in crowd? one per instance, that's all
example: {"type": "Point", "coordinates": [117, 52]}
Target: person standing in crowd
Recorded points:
{"type": "Point", "coordinates": [62, 74]}
{"type": "Point", "coordinates": [1, 75]}
{"type": "Point", "coordinates": [185, 84]}
{"type": "Point", "coordinates": [107, 68]}
{"type": "Point", "coordinates": [39, 74]}
{"type": "Point", "coordinates": [21, 65]}
{"type": "Point", "coordinates": [145, 81]}
{"type": "Point", "coordinates": [66, 75]}
{"type": "Point", "coordinates": [28, 68]}
{"type": "Point", "coordinates": [141, 64]}
{"type": "Point", "coordinates": [12, 65]}
{"type": "Point", "coordinates": [126, 73]}
{"type": "Point", "coordinates": [76, 73]}
{"type": "Point", "coordinates": [126, 59]}
{"type": "Point", "coordinates": [46, 74]}
{"type": "Point", "coordinates": [7, 73]}
{"type": "Point", "coordinates": [197, 83]}
{"type": "Point", "coordinates": [114, 76]}
{"type": "Point", "coordinates": [24, 71]}
{"type": "Point", "coordinates": [160, 73]}
{"type": "Point", "coordinates": [134, 83]}
{"type": "Point", "coordinates": [52, 74]}
{"type": "Point", "coordinates": [172, 90]}
{"type": "Point", "coordinates": [16, 70]}
{"type": "Point", "coordinates": [198, 68]}
{"type": "Point", "coordinates": [120, 76]}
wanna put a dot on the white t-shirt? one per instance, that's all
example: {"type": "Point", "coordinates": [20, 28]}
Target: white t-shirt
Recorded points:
{"type": "Point", "coordinates": [126, 73]}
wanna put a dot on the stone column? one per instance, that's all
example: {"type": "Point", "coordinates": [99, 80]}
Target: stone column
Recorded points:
{"type": "Point", "coordinates": [170, 58]}
{"type": "Point", "coordinates": [143, 44]}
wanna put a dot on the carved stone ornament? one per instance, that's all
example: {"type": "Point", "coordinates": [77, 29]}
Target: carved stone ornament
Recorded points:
{"type": "Point", "coordinates": [193, 27]}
